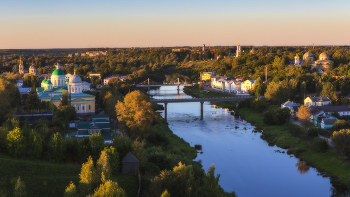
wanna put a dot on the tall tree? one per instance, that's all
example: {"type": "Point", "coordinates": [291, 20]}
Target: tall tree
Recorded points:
{"type": "Point", "coordinates": [35, 144]}
{"type": "Point", "coordinates": [71, 190]}
{"type": "Point", "coordinates": [103, 167]}
{"type": "Point", "coordinates": [88, 177]}
{"type": "Point", "coordinates": [55, 148]}
{"type": "Point", "coordinates": [304, 115]}
{"type": "Point", "coordinates": [109, 189]}
{"type": "Point", "coordinates": [137, 112]}
{"type": "Point", "coordinates": [15, 141]}
{"type": "Point", "coordinates": [20, 188]}
{"type": "Point", "coordinates": [329, 90]}
{"type": "Point", "coordinates": [211, 185]}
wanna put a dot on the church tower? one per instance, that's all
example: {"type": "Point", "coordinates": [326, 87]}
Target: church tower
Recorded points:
{"type": "Point", "coordinates": [32, 69]}
{"type": "Point", "coordinates": [297, 60]}
{"type": "Point", "coordinates": [21, 66]}
{"type": "Point", "coordinates": [238, 51]}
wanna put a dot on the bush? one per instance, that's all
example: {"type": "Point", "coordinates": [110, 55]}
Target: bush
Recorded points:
{"type": "Point", "coordinates": [296, 131]}
{"type": "Point", "coordinates": [276, 115]}
{"type": "Point", "coordinates": [313, 132]}
{"type": "Point", "coordinates": [258, 104]}
{"type": "Point", "coordinates": [341, 142]}
{"type": "Point", "coordinates": [319, 145]}
{"type": "Point", "coordinates": [151, 168]}
{"type": "Point", "coordinates": [340, 124]}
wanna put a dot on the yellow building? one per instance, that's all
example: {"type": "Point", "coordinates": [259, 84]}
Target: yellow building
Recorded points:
{"type": "Point", "coordinates": [83, 103]}
{"type": "Point", "coordinates": [205, 76]}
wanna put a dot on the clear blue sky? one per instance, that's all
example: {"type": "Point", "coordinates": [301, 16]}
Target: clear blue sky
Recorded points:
{"type": "Point", "coordinates": [154, 23]}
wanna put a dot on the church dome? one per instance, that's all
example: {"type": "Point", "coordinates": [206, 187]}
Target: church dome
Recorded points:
{"type": "Point", "coordinates": [47, 82]}
{"type": "Point", "coordinates": [44, 81]}
{"type": "Point", "coordinates": [58, 72]}
{"type": "Point", "coordinates": [75, 79]}
{"type": "Point", "coordinates": [324, 56]}
{"type": "Point", "coordinates": [308, 55]}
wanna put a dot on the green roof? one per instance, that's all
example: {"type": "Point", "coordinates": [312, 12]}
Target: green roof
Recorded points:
{"type": "Point", "coordinates": [48, 82]}
{"type": "Point", "coordinates": [100, 116]}
{"type": "Point", "coordinates": [44, 81]}
{"type": "Point", "coordinates": [67, 80]}
{"type": "Point", "coordinates": [41, 89]}
{"type": "Point", "coordinates": [58, 72]}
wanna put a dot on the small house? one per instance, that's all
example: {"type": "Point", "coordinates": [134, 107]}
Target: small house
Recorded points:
{"type": "Point", "coordinates": [317, 101]}
{"type": "Point", "coordinates": [130, 164]}
{"type": "Point", "coordinates": [327, 123]}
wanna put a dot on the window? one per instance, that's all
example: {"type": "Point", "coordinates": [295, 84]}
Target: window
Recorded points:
{"type": "Point", "coordinates": [89, 107]}
{"type": "Point", "coordinates": [78, 108]}
{"type": "Point", "coordinates": [83, 108]}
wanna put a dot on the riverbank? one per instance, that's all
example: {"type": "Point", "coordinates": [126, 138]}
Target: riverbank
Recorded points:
{"type": "Point", "coordinates": [329, 163]}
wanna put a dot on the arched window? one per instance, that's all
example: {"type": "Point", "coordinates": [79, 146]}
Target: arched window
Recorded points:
{"type": "Point", "coordinates": [78, 108]}
{"type": "Point", "coordinates": [83, 108]}
{"type": "Point", "coordinates": [89, 107]}
{"type": "Point", "coordinates": [59, 82]}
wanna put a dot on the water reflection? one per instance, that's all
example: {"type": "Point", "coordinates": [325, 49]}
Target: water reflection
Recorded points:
{"type": "Point", "coordinates": [240, 155]}
{"type": "Point", "coordinates": [303, 168]}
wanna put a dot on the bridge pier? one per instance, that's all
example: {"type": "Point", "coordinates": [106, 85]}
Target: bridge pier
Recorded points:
{"type": "Point", "coordinates": [165, 110]}
{"type": "Point", "coordinates": [178, 89]}
{"type": "Point", "coordinates": [202, 110]}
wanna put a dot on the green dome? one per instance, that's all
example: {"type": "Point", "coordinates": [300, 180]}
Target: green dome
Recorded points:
{"type": "Point", "coordinates": [58, 72]}
{"type": "Point", "coordinates": [44, 81]}
{"type": "Point", "coordinates": [48, 82]}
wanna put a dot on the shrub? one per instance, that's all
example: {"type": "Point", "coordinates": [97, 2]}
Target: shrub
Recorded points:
{"type": "Point", "coordinates": [313, 132]}
{"type": "Point", "coordinates": [276, 116]}
{"type": "Point", "coordinates": [319, 145]}
{"type": "Point", "coordinates": [341, 141]}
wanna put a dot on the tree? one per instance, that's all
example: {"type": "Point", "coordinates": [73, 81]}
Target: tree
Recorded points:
{"type": "Point", "coordinates": [304, 115]}
{"type": "Point", "coordinates": [138, 149]}
{"type": "Point", "coordinates": [103, 167]}
{"type": "Point", "coordinates": [20, 188]}
{"type": "Point", "coordinates": [71, 190]}
{"type": "Point", "coordinates": [64, 99]}
{"type": "Point", "coordinates": [340, 124]}
{"type": "Point", "coordinates": [15, 142]}
{"type": "Point", "coordinates": [341, 141]}
{"type": "Point", "coordinates": [211, 185]}
{"type": "Point", "coordinates": [109, 189]}
{"type": "Point", "coordinates": [138, 114]}
{"type": "Point", "coordinates": [35, 144]}
{"type": "Point", "coordinates": [88, 177]}
{"type": "Point", "coordinates": [55, 148]}
{"type": "Point", "coordinates": [165, 194]}
{"type": "Point", "coordinates": [97, 144]}
{"type": "Point", "coordinates": [113, 159]}
{"type": "Point", "coordinates": [329, 90]}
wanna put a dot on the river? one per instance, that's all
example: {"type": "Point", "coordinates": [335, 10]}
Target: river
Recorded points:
{"type": "Point", "coordinates": [246, 163]}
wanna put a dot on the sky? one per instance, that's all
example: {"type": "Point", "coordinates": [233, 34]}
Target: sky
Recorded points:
{"type": "Point", "coordinates": [33, 24]}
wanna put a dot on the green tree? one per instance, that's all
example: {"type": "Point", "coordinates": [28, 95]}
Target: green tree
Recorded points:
{"type": "Point", "coordinates": [138, 149]}
{"type": "Point", "coordinates": [20, 188]}
{"type": "Point", "coordinates": [88, 177]}
{"type": "Point", "coordinates": [64, 99]}
{"type": "Point", "coordinates": [341, 141]}
{"type": "Point", "coordinates": [113, 159]}
{"type": "Point", "coordinates": [329, 90]}
{"type": "Point", "coordinates": [103, 167]}
{"type": "Point", "coordinates": [211, 185]}
{"type": "Point", "coordinates": [71, 190]}
{"type": "Point", "coordinates": [340, 124]}
{"type": "Point", "coordinates": [109, 189]}
{"type": "Point", "coordinates": [55, 148]}
{"type": "Point", "coordinates": [97, 144]}
{"type": "Point", "coordinates": [35, 145]}
{"type": "Point", "coordinates": [15, 142]}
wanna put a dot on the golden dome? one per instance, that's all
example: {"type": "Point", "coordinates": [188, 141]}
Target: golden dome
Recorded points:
{"type": "Point", "coordinates": [324, 56]}
{"type": "Point", "coordinates": [308, 55]}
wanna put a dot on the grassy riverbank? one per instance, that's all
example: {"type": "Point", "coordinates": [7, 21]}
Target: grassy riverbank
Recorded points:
{"type": "Point", "coordinates": [329, 162]}
{"type": "Point", "coordinates": [196, 92]}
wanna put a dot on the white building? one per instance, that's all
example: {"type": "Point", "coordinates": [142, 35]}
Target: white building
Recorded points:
{"type": "Point", "coordinates": [247, 85]}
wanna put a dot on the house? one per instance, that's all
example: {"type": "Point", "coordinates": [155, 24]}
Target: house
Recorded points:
{"type": "Point", "coordinates": [85, 86]}
{"type": "Point", "coordinates": [204, 76]}
{"type": "Point", "coordinates": [247, 85]}
{"type": "Point", "coordinates": [94, 126]}
{"type": "Point", "coordinates": [130, 164]}
{"type": "Point", "coordinates": [321, 112]}
{"type": "Point", "coordinates": [327, 123]}
{"type": "Point", "coordinates": [317, 101]}
{"type": "Point", "coordinates": [293, 107]}
{"type": "Point", "coordinates": [24, 90]}
{"type": "Point", "coordinates": [95, 75]}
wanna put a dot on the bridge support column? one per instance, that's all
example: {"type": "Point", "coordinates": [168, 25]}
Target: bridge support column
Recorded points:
{"type": "Point", "coordinates": [178, 89]}
{"type": "Point", "coordinates": [202, 110]}
{"type": "Point", "coordinates": [165, 111]}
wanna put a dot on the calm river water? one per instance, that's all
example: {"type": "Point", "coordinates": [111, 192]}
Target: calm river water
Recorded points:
{"type": "Point", "coordinates": [246, 163]}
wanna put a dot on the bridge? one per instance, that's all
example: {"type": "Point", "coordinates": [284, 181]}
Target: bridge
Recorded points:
{"type": "Point", "coordinates": [201, 100]}
{"type": "Point", "coordinates": [150, 83]}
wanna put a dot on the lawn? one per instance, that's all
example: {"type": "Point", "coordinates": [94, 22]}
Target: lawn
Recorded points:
{"type": "Point", "coordinates": [48, 179]}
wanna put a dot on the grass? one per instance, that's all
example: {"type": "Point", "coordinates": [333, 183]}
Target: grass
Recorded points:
{"type": "Point", "coordinates": [48, 179]}
{"type": "Point", "coordinates": [329, 162]}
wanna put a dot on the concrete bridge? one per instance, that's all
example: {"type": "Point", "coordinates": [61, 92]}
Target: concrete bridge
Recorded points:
{"type": "Point", "coordinates": [201, 100]}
